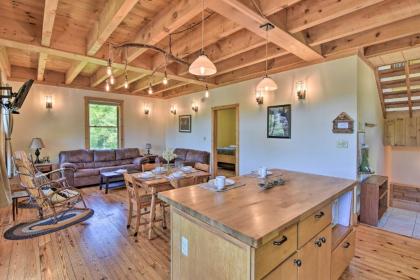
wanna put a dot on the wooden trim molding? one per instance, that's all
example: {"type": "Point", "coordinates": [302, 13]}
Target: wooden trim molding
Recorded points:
{"type": "Point", "coordinates": [99, 100]}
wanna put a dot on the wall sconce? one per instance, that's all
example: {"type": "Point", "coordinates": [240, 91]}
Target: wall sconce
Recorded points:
{"type": "Point", "coordinates": [173, 110]}
{"type": "Point", "coordinates": [146, 110]}
{"type": "Point", "coordinates": [48, 102]}
{"type": "Point", "coordinates": [301, 90]}
{"type": "Point", "coordinates": [259, 97]}
{"type": "Point", "coordinates": [194, 107]}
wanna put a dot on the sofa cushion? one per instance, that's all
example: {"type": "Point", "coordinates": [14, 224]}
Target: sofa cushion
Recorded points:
{"type": "Point", "coordinates": [76, 156]}
{"type": "Point", "coordinates": [198, 156]}
{"type": "Point", "coordinates": [181, 153]}
{"type": "Point", "coordinates": [100, 164]}
{"type": "Point", "coordinates": [87, 181]}
{"type": "Point", "coordinates": [86, 173]}
{"type": "Point", "coordinates": [128, 153]}
{"type": "Point", "coordinates": [103, 155]}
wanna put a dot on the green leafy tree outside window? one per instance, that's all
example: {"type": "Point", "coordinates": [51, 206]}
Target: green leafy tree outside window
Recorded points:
{"type": "Point", "coordinates": [103, 126]}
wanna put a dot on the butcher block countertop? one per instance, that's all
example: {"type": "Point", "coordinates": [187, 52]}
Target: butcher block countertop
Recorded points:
{"type": "Point", "coordinates": [251, 214]}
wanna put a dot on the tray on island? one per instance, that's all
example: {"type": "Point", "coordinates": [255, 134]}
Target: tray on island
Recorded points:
{"type": "Point", "coordinates": [211, 187]}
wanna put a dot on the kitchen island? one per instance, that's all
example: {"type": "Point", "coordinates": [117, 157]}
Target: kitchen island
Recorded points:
{"type": "Point", "coordinates": [299, 230]}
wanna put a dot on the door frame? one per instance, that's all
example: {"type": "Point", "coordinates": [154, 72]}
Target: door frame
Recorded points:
{"type": "Point", "coordinates": [214, 136]}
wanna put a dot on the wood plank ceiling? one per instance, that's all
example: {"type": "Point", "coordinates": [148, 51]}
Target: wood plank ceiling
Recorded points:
{"type": "Point", "coordinates": [66, 42]}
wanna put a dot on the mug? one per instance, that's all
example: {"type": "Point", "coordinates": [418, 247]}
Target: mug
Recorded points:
{"type": "Point", "coordinates": [220, 182]}
{"type": "Point", "coordinates": [262, 172]}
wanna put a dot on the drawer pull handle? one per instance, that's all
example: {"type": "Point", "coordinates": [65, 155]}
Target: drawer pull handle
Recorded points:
{"type": "Point", "coordinates": [298, 263]}
{"type": "Point", "coordinates": [281, 241]}
{"type": "Point", "coordinates": [346, 245]}
{"type": "Point", "coordinates": [323, 239]}
{"type": "Point", "coordinates": [319, 215]}
{"type": "Point", "coordinates": [318, 243]}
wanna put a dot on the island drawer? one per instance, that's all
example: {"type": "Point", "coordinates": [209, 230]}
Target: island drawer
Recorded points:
{"type": "Point", "coordinates": [274, 252]}
{"type": "Point", "coordinates": [342, 255]}
{"type": "Point", "coordinates": [313, 224]}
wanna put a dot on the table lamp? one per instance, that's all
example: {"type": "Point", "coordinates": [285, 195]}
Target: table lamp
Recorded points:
{"type": "Point", "coordinates": [148, 147]}
{"type": "Point", "coordinates": [37, 144]}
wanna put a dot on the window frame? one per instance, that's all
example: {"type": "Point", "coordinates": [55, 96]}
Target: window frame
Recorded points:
{"type": "Point", "coordinates": [105, 101]}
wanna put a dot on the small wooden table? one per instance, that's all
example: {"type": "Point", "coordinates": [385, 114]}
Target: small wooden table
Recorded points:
{"type": "Point", "coordinates": [107, 176]}
{"type": "Point", "coordinates": [159, 184]}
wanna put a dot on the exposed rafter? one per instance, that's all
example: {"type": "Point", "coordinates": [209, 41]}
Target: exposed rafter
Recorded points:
{"type": "Point", "coordinates": [50, 11]}
{"type": "Point", "coordinates": [251, 20]}
{"type": "Point", "coordinates": [4, 62]}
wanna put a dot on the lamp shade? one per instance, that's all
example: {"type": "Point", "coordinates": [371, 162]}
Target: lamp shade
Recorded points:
{"type": "Point", "coordinates": [202, 66]}
{"type": "Point", "coordinates": [266, 84]}
{"type": "Point", "coordinates": [148, 146]}
{"type": "Point", "coordinates": [36, 143]}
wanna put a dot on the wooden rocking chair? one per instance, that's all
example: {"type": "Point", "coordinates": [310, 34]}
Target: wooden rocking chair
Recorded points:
{"type": "Point", "coordinates": [54, 197]}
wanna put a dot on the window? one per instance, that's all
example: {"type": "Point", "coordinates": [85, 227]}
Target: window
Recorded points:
{"type": "Point", "coordinates": [103, 123]}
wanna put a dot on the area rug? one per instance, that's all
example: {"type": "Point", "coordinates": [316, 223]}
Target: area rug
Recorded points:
{"type": "Point", "coordinates": [45, 226]}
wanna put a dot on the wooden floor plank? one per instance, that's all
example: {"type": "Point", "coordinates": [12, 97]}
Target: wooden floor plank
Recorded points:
{"type": "Point", "coordinates": [103, 248]}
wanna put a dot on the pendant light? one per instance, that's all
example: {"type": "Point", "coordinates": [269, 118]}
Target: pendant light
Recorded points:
{"type": "Point", "coordinates": [150, 90]}
{"type": "Point", "coordinates": [112, 80]}
{"type": "Point", "coordinates": [207, 93]}
{"type": "Point", "coordinates": [165, 79]}
{"type": "Point", "coordinates": [266, 84]}
{"type": "Point", "coordinates": [107, 87]}
{"type": "Point", "coordinates": [126, 82]}
{"type": "Point", "coordinates": [202, 66]}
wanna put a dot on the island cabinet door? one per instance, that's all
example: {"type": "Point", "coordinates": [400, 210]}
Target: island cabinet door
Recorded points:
{"type": "Point", "coordinates": [314, 258]}
{"type": "Point", "coordinates": [288, 270]}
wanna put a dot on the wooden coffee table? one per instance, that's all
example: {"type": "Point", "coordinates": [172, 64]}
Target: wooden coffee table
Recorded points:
{"type": "Point", "coordinates": [116, 178]}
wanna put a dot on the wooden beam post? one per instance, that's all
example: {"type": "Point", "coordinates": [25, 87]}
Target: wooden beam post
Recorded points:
{"type": "Point", "coordinates": [407, 81]}
{"type": "Point", "coordinates": [4, 62]}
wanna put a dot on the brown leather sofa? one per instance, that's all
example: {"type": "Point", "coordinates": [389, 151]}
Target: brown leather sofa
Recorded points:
{"type": "Point", "coordinates": [189, 156]}
{"type": "Point", "coordinates": [84, 167]}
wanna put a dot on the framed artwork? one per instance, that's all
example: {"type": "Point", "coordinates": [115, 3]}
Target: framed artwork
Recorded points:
{"type": "Point", "coordinates": [185, 123]}
{"type": "Point", "coordinates": [279, 121]}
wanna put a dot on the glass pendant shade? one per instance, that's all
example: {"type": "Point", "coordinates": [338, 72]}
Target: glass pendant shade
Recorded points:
{"type": "Point", "coordinates": [266, 84]}
{"type": "Point", "coordinates": [202, 66]}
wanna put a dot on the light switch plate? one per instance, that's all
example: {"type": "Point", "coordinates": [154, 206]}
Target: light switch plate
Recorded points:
{"type": "Point", "coordinates": [342, 144]}
{"type": "Point", "coordinates": [184, 246]}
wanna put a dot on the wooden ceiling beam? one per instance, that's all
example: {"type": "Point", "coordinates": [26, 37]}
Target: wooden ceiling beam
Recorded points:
{"type": "Point", "coordinates": [145, 83]}
{"type": "Point", "coordinates": [371, 17]}
{"type": "Point", "coordinates": [50, 11]}
{"type": "Point", "coordinates": [309, 13]}
{"type": "Point", "coordinates": [74, 71]}
{"type": "Point", "coordinates": [159, 89]}
{"type": "Point", "coordinates": [389, 32]}
{"type": "Point", "coordinates": [251, 20]}
{"type": "Point", "coordinates": [216, 28]}
{"type": "Point", "coordinates": [167, 21]}
{"type": "Point", "coordinates": [4, 62]}
{"type": "Point", "coordinates": [101, 75]}
{"type": "Point", "coordinates": [393, 46]}
{"type": "Point", "coordinates": [183, 90]}
{"type": "Point", "coordinates": [110, 18]}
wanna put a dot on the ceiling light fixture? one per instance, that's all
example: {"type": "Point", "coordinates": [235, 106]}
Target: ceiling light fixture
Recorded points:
{"type": "Point", "coordinates": [109, 68]}
{"type": "Point", "coordinates": [126, 82]}
{"type": "Point", "coordinates": [165, 79]}
{"type": "Point", "coordinates": [107, 87]}
{"type": "Point", "coordinates": [202, 66]}
{"type": "Point", "coordinates": [207, 93]}
{"type": "Point", "coordinates": [150, 90]}
{"type": "Point", "coordinates": [266, 84]}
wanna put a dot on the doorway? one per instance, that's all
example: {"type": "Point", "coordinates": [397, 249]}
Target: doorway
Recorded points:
{"type": "Point", "coordinates": [225, 140]}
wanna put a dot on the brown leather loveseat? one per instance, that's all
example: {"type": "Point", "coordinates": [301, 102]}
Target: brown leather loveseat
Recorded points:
{"type": "Point", "coordinates": [84, 167]}
{"type": "Point", "coordinates": [189, 156]}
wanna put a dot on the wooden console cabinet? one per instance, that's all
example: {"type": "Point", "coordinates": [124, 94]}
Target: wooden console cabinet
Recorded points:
{"type": "Point", "coordinates": [373, 199]}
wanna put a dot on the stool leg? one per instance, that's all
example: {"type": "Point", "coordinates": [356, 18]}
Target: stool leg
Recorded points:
{"type": "Point", "coordinates": [14, 205]}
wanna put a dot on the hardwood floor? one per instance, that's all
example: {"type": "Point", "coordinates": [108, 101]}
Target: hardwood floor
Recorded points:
{"type": "Point", "coordinates": [101, 248]}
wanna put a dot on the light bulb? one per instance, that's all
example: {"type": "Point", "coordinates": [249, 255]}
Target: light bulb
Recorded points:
{"type": "Point", "coordinates": [126, 84]}
{"type": "Point", "coordinates": [150, 90]}
{"type": "Point", "coordinates": [107, 87]}
{"type": "Point", "coordinates": [112, 79]}
{"type": "Point", "coordinates": [207, 93]}
{"type": "Point", "coordinates": [202, 70]}
{"type": "Point", "coordinates": [109, 68]}
{"type": "Point", "coordinates": [165, 81]}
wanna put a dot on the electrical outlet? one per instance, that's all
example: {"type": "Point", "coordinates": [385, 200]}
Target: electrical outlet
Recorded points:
{"type": "Point", "coordinates": [184, 246]}
{"type": "Point", "coordinates": [342, 144]}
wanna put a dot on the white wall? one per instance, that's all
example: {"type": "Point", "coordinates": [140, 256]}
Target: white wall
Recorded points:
{"type": "Point", "coordinates": [332, 89]}
{"type": "Point", "coordinates": [370, 111]}
{"type": "Point", "coordinates": [405, 165]}
{"type": "Point", "coordinates": [63, 126]}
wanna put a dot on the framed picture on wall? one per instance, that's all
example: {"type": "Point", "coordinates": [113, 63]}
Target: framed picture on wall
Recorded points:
{"type": "Point", "coordinates": [185, 123]}
{"type": "Point", "coordinates": [279, 121]}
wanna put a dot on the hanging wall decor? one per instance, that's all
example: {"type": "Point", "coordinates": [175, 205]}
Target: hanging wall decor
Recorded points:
{"type": "Point", "coordinates": [279, 121]}
{"type": "Point", "coordinates": [343, 123]}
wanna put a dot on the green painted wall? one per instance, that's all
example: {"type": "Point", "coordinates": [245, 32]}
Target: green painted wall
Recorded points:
{"type": "Point", "coordinates": [226, 132]}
